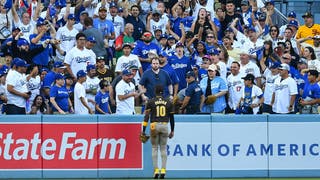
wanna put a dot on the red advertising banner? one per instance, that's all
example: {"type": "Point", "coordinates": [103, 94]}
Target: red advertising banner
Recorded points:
{"type": "Point", "coordinates": [70, 146]}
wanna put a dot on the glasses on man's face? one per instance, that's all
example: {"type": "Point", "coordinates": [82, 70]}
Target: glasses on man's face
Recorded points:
{"type": "Point", "coordinates": [210, 37]}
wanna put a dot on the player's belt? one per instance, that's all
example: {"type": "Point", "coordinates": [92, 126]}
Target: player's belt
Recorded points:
{"type": "Point", "coordinates": [162, 122]}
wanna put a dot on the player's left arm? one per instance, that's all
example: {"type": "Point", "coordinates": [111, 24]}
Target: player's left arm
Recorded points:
{"type": "Point", "coordinates": [172, 123]}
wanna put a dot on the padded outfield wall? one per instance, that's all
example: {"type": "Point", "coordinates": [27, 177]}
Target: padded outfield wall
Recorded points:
{"type": "Point", "coordinates": [204, 146]}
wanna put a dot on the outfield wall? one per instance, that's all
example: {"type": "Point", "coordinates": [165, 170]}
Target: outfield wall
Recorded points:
{"type": "Point", "coordinates": [204, 146]}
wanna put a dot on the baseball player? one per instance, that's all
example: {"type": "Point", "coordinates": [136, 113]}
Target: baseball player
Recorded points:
{"type": "Point", "coordinates": [161, 111]}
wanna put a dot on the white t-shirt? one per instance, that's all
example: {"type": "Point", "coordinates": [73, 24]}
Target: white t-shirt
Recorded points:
{"type": "Point", "coordinates": [235, 86]}
{"type": "Point", "coordinates": [34, 85]}
{"type": "Point", "coordinates": [157, 25]}
{"type": "Point", "coordinates": [79, 91]}
{"type": "Point", "coordinates": [269, 85]}
{"type": "Point", "coordinates": [91, 83]}
{"type": "Point", "coordinates": [314, 65]}
{"type": "Point", "coordinates": [27, 30]}
{"type": "Point", "coordinates": [222, 70]}
{"type": "Point", "coordinates": [126, 61]}
{"type": "Point", "coordinates": [250, 68]}
{"type": "Point", "coordinates": [283, 90]}
{"type": "Point", "coordinates": [68, 39]}
{"type": "Point", "coordinates": [19, 83]}
{"type": "Point", "coordinates": [79, 59]}
{"type": "Point", "coordinates": [125, 106]}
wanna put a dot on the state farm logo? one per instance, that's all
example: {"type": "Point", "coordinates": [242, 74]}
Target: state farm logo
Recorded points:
{"type": "Point", "coordinates": [55, 146]}
{"type": "Point", "coordinates": [86, 149]}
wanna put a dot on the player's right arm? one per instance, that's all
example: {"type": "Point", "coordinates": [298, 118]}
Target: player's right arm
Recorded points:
{"type": "Point", "coordinates": [146, 117]}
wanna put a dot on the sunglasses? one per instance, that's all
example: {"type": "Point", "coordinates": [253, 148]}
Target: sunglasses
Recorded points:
{"type": "Point", "coordinates": [210, 37]}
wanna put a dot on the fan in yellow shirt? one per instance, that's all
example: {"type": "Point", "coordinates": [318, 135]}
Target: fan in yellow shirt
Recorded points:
{"type": "Point", "coordinates": [308, 29]}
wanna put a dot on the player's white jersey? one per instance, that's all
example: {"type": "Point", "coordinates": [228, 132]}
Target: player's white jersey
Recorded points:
{"type": "Point", "coordinates": [157, 25]}
{"type": "Point", "coordinates": [124, 62]}
{"type": "Point", "coordinates": [91, 84]}
{"type": "Point", "coordinates": [125, 106]}
{"type": "Point", "coordinates": [269, 85]}
{"type": "Point", "coordinates": [79, 59]}
{"type": "Point", "coordinates": [283, 90]}
{"type": "Point", "coordinates": [67, 38]}
{"type": "Point", "coordinates": [235, 86]}
{"type": "Point", "coordinates": [79, 91]}
{"type": "Point", "coordinates": [255, 93]}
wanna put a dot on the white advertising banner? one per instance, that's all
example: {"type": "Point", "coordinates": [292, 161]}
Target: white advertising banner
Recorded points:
{"type": "Point", "coordinates": [190, 149]}
{"type": "Point", "coordinates": [236, 146]}
{"type": "Point", "coordinates": [296, 145]}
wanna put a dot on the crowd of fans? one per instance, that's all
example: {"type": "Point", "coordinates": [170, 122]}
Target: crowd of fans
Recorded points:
{"type": "Point", "coordinates": [106, 57]}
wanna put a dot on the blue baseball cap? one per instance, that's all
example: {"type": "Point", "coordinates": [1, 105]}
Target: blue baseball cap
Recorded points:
{"type": "Point", "coordinates": [179, 44]}
{"type": "Point", "coordinates": [22, 63]}
{"type": "Point", "coordinates": [81, 73]}
{"type": "Point", "coordinates": [252, 29]}
{"type": "Point", "coordinates": [91, 39]}
{"type": "Point", "coordinates": [22, 42]}
{"type": "Point", "coordinates": [15, 28]}
{"type": "Point", "coordinates": [163, 54]}
{"type": "Point", "coordinates": [40, 22]}
{"type": "Point", "coordinates": [126, 72]}
{"type": "Point", "coordinates": [163, 36]}
{"type": "Point", "coordinates": [190, 73]}
{"type": "Point", "coordinates": [275, 65]}
{"type": "Point", "coordinates": [292, 14]}
{"type": "Point", "coordinates": [270, 2]}
{"type": "Point", "coordinates": [4, 69]}
{"type": "Point", "coordinates": [71, 16]}
{"type": "Point", "coordinates": [58, 64]}
{"type": "Point", "coordinates": [170, 37]}
{"type": "Point", "coordinates": [228, 30]}
{"type": "Point", "coordinates": [58, 76]}
{"type": "Point", "coordinates": [293, 23]}
{"type": "Point", "coordinates": [90, 66]}
{"type": "Point", "coordinates": [44, 69]}
{"type": "Point", "coordinates": [113, 4]}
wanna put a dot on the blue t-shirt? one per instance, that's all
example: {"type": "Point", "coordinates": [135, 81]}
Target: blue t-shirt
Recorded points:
{"type": "Point", "coordinates": [142, 50]}
{"type": "Point", "coordinates": [181, 66]}
{"type": "Point", "coordinates": [49, 79]}
{"type": "Point", "coordinates": [194, 92]}
{"type": "Point", "coordinates": [176, 25]}
{"type": "Point", "coordinates": [105, 26]}
{"type": "Point", "coordinates": [172, 73]}
{"type": "Point", "coordinates": [61, 96]}
{"type": "Point", "coordinates": [149, 80]}
{"type": "Point", "coordinates": [102, 101]}
{"type": "Point", "coordinates": [43, 57]}
{"type": "Point", "coordinates": [311, 91]}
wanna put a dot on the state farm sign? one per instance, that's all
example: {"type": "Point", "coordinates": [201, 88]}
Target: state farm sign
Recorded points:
{"type": "Point", "coordinates": [70, 146]}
